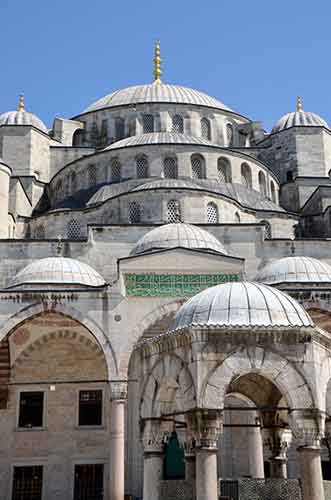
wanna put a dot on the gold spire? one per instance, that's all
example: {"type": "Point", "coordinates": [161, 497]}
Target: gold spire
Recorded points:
{"type": "Point", "coordinates": [299, 104]}
{"type": "Point", "coordinates": [21, 106]}
{"type": "Point", "coordinates": [157, 63]}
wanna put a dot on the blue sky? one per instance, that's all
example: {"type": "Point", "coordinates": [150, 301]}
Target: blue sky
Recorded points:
{"type": "Point", "coordinates": [255, 56]}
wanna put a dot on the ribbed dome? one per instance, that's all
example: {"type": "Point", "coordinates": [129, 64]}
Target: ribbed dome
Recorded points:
{"type": "Point", "coordinates": [178, 235]}
{"type": "Point", "coordinates": [241, 305]}
{"type": "Point", "coordinates": [295, 270]}
{"type": "Point", "coordinates": [156, 93]}
{"type": "Point", "coordinates": [22, 118]}
{"type": "Point", "coordinates": [58, 271]}
{"type": "Point", "coordinates": [156, 138]}
{"type": "Point", "coordinates": [299, 119]}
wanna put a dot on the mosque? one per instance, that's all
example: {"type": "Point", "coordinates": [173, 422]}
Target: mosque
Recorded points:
{"type": "Point", "coordinates": [165, 301]}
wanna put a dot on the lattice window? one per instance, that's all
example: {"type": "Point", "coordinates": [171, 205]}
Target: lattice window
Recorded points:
{"type": "Point", "coordinates": [92, 175]}
{"type": "Point", "coordinates": [27, 482]}
{"type": "Point", "coordinates": [224, 170]}
{"type": "Point", "coordinates": [73, 182]}
{"type": "Point", "coordinates": [262, 184]}
{"type": "Point", "coordinates": [177, 124]}
{"type": "Point", "coordinates": [39, 233]}
{"type": "Point", "coordinates": [173, 211]}
{"type": "Point", "coordinates": [74, 230]}
{"type": "Point", "coordinates": [246, 175]}
{"type": "Point", "coordinates": [119, 128]}
{"type": "Point", "coordinates": [205, 129]}
{"type": "Point", "coordinates": [229, 134]}
{"type": "Point", "coordinates": [212, 213]}
{"type": "Point", "coordinates": [115, 168]}
{"type": "Point", "coordinates": [89, 482]}
{"type": "Point", "coordinates": [134, 212]}
{"type": "Point", "coordinates": [142, 167]}
{"type": "Point", "coordinates": [148, 124]}
{"type": "Point", "coordinates": [197, 164]}
{"type": "Point", "coordinates": [170, 168]}
{"type": "Point", "coordinates": [273, 192]}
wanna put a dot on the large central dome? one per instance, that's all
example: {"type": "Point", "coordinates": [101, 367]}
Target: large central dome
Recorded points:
{"type": "Point", "coordinates": [156, 92]}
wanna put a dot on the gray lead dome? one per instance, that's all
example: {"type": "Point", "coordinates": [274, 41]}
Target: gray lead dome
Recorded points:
{"type": "Point", "coordinates": [295, 269]}
{"type": "Point", "coordinates": [22, 118]}
{"type": "Point", "coordinates": [299, 119]}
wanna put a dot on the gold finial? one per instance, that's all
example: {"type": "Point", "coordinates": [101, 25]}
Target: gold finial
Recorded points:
{"type": "Point", "coordinates": [299, 103]}
{"type": "Point", "coordinates": [21, 106]}
{"type": "Point", "coordinates": [157, 63]}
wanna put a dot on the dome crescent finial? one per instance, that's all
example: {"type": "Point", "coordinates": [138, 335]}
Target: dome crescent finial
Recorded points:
{"type": "Point", "coordinates": [21, 105]}
{"type": "Point", "coordinates": [157, 63]}
{"type": "Point", "coordinates": [299, 104]}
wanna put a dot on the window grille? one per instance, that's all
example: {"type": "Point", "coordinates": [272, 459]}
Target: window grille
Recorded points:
{"type": "Point", "coordinates": [173, 211]}
{"type": "Point", "coordinates": [39, 233]}
{"type": "Point", "coordinates": [92, 175]}
{"type": "Point", "coordinates": [134, 212]}
{"type": "Point", "coordinates": [119, 128]}
{"type": "Point", "coordinates": [88, 482]}
{"type": "Point", "coordinates": [148, 124]}
{"type": "Point", "coordinates": [90, 408]}
{"type": "Point", "coordinates": [273, 192]}
{"type": "Point", "coordinates": [224, 170]}
{"type": "Point", "coordinates": [177, 124]}
{"type": "Point", "coordinates": [170, 168]}
{"type": "Point", "coordinates": [229, 134]}
{"type": "Point", "coordinates": [262, 184]}
{"type": "Point", "coordinates": [246, 175]}
{"type": "Point", "coordinates": [205, 129]}
{"type": "Point", "coordinates": [27, 483]}
{"type": "Point", "coordinates": [212, 213]}
{"type": "Point", "coordinates": [74, 230]}
{"type": "Point", "coordinates": [73, 182]}
{"type": "Point", "coordinates": [31, 410]}
{"type": "Point", "coordinates": [115, 170]}
{"type": "Point", "coordinates": [197, 167]}
{"type": "Point", "coordinates": [142, 167]}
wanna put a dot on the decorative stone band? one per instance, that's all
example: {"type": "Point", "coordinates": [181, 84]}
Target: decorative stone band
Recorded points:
{"type": "Point", "coordinates": [308, 427]}
{"type": "Point", "coordinates": [205, 426]}
{"type": "Point", "coordinates": [118, 390]}
{"type": "Point", "coordinates": [155, 433]}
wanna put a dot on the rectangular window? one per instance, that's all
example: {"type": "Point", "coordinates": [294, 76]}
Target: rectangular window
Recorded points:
{"type": "Point", "coordinates": [90, 408]}
{"type": "Point", "coordinates": [27, 483]}
{"type": "Point", "coordinates": [88, 482]}
{"type": "Point", "coordinates": [31, 409]}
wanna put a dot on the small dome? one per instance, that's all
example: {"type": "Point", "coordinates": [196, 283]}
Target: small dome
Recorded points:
{"type": "Point", "coordinates": [295, 270]}
{"type": "Point", "coordinates": [58, 271]}
{"type": "Point", "coordinates": [241, 305]}
{"type": "Point", "coordinates": [178, 235]}
{"type": "Point", "coordinates": [156, 93]}
{"type": "Point", "coordinates": [22, 117]}
{"type": "Point", "coordinates": [299, 118]}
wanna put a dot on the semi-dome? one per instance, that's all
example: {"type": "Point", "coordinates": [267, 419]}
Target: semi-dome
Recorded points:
{"type": "Point", "coordinates": [152, 93]}
{"type": "Point", "coordinates": [295, 269]}
{"type": "Point", "coordinates": [299, 118]}
{"type": "Point", "coordinates": [22, 117]}
{"type": "Point", "coordinates": [178, 235]}
{"type": "Point", "coordinates": [241, 305]}
{"type": "Point", "coordinates": [157, 138]}
{"type": "Point", "coordinates": [58, 271]}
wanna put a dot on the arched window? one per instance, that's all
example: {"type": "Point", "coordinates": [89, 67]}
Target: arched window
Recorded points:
{"type": "Point", "coordinates": [246, 175]}
{"type": "Point", "coordinates": [289, 176]}
{"type": "Point", "coordinates": [58, 188]}
{"type": "Point", "coordinates": [91, 175]}
{"type": "Point", "coordinates": [177, 124]}
{"type": "Point", "coordinates": [119, 128]}
{"type": "Point", "coordinates": [78, 137]}
{"type": "Point", "coordinates": [205, 129]}
{"type": "Point", "coordinates": [73, 182]}
{"type": "Point", "coordinates": [173, 211]}
{"type": "Point", "coordinates": [115, 168]}
{"type": "Point", "coordinates": [273, 192]}
{"type": "Point", "coordinates": [134, 212]}
{"type": "Point", "coordinates": [198, 167]}
{"type": "Point", "coordinates": [212, 213]}
{"type": "Point", "coordinates": [224, 170]}
{"type": "Point", "coordinates": [267, 230]}
{"type": "Point", "coordinates": [237, 217]}
{"type": "Point", "coordinates": [262, 184]}
{"type": "Point", "coordinates": [142, 167]}
{"type": "Point", "coordinates": [73, 230]}
{"type": "Point", "coordinates": [148, 124]}
{"type": "Point", "coordinates": [170, 168]}
{"type": "Point", "coordinates": [39, 233]}
{"type": "Point", "coordinates": [229, 134]}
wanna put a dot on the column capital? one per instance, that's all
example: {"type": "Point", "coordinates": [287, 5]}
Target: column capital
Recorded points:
{"type": "Point", "coordinates": [205, 427]}
{"type": "Point", "coordinates": [308, 427]}
{"type": "Point", "coordinates": [278, 440]}
{"type": "Point", "coordinates": [155, 434]}
{"type": "Point", "coordinates": [118, 390]}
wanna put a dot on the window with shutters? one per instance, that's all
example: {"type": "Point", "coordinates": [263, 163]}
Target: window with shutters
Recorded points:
{"type": "Point", "coordinates": [134, 212]}
{"type": "Point", "coordinates": [90, 408]}
{"type": "Point", "coordinates": [142, 167]}
{"type": "Point", "coordinates": [246, 175]}
{"type": "Point", "coordinates": [115, 168]}
{"type": "Point", "coordinates": [88, 482]}
{"type": "Point", "coordinates": [212, 213]}
{"type": "Point", "coordinates": [177, 124]}
{"type": "Point", "coordinates": [262, 184]}
{"type": "Point", "coordinates": [148, 124]}
{"type": "Point", "coordinates": [170, 168]}
{"type": "Point", "coordinates": [173, 211]}
{"type": "Point", "coordinates": [31, 409]}
{"type": "Point", "coordinates": [224, 170]}
{"type": "Point", "coordinates": [198, 167]}
{"type": "Point", "coordinates": [119, 128]}
{"type": "Point", "coordinates": [229, 134]}
{"type": "Point", "coordinates": [205, 129]}
{"type": "Point", "coordinates": [73, 230]}
{"type": "Point", "coordinates": [27, 482]}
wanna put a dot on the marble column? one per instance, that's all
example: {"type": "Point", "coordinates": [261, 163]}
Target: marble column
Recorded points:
{"type": "Point", "coordinates": [255, 450]}
{"type": "Point", "coordinates": [118, 398]}
{"type": "Point", "coordinates": [278, 442]}
{"type": "Point", "coordinates": [311, 473]}
{"type": "Point", "coordinates": [154, 438]}
{"type": "Point", "coordinates": [190, 466]}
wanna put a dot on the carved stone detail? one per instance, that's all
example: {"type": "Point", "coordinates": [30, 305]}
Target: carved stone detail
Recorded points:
{"type": "Point", "coordinates": [155, 434]}
{"type": "Point", "coordinates": [118, 391]}
{"type": "Point", "coordinates": [205, 427]}
{"type": "Point", "coordinates": [308, 427]}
